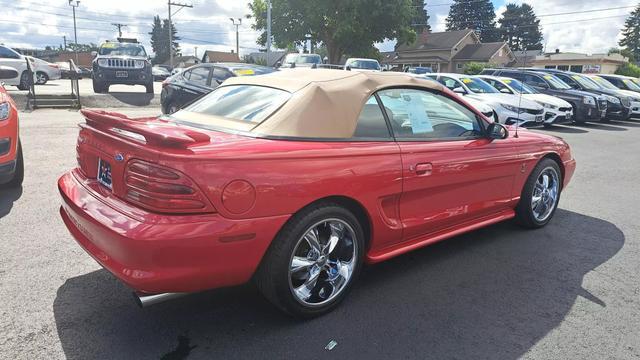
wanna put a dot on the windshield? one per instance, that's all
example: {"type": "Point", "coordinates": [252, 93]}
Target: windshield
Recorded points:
{"type": "Point", "coordinates": [519, 86]}
{"type": "Point", "coordinates": [120, 49]}
{"type": "Point", "coordinates": [586, 82]}
{"type": "Point", "coordinates": [556, 83]}
{"type": "Point", "coordinates": [364, 64]}
{"type": "Point", "coordinates": [240, 103]}
{"type": "Point", "coordinates": [478, 86]}
{"type": "Point", "coordinates": [303, 59]}
{"type": "Point", "coordinates": [632, 84]}
{"type": "Point", "coordinates": [604, 83]}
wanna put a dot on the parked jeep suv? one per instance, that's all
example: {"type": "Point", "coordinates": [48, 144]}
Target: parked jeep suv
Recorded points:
{"type": "Point", "coordinates": [586, 106]}
{"type": "Point", "coordinates": [121, 62]}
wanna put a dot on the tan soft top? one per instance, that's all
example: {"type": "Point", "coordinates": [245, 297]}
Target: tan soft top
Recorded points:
{"type": "Point", "coordinates": [324, 103]}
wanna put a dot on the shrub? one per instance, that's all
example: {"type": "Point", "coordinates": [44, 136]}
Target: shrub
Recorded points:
{"type": "Point", "coordinates": [629, 69]}
{"type": "Point", "coordinates": [474, 68]}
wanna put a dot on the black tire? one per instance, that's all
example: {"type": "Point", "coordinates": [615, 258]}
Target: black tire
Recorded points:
{"type": "Point", "coordinates": [99, 87]}
{"type": "Point", "coordinates": [272, 276]}
{"type": "Point", "coordinates": [524, 211]}
{"type": "Point", "coordinates": [18, 176]}
{"type": "Point", "coordinates": [547, 126]}
{"type": "Point", "coordinates": [42, 78]}
{"type": "Point", "coordinates": [149, 88]}
{"type": "Point", "coordinates": [24, 81]}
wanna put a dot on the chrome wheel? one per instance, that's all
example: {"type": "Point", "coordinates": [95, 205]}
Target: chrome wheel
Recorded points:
{"type": "Point", "coordinates": [323, 262]}
{"type": "Point", "coordinates": [545, 194]}
{"type": "Point", "coordinates": [41, 78]}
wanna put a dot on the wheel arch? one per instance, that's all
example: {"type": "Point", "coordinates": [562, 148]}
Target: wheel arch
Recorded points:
{"type": "Point", "coordinates": [555, 157]}
{"type": "Point", "coordinates": [351, 204]}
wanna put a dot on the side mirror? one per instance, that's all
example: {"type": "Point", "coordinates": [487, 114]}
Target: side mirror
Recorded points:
{"type": "Point", "coordinates": [497, 131]}
{"type": "Point", "coordinates": [348, 68]}
{"type": "Point", "coordinates": [8, 73]}
{"type": "Point", "coordinates": [459, 90]}
{"type": "Point", "coordinates": [94, 53]}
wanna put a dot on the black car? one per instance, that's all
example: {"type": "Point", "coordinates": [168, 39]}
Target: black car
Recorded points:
{"type": "Point", "coordinates": [586, 106]}
{"type": "Point", "coordinates": [198, 80]}
{"type": "Point", "coordinates": [618, 104]}
{"type": "Point", "coordinates": [622, 82]}
{"type": "Point", "coordinates": [121, 62]}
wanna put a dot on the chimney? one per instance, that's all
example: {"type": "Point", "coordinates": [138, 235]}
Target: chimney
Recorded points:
{"type": "Point", "coordinates": [557, 51]}
{"type": "Point", "coordinates": [232, 51]}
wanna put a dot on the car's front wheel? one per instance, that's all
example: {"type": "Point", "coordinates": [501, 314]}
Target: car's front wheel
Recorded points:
{"type": "Point", "coordinates": [24, 81]}
{"type": "Point", "coordinates": [41, 78]}
{"type": "Point", "coordinates": [313, 262]}
{"type": "Point", "coordinates": [540, 195]}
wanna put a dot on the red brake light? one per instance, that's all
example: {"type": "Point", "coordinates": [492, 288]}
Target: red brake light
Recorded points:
{"type": "Point", "coordinates": [163, 190]}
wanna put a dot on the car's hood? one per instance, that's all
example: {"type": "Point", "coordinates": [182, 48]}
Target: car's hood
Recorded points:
{"type": "Point", "coordinates": [547, 99]}
{"type": "Point", "coordinates": [635, 96]}
{"type": "Point", "coordinates": [508, 99]}
{"type": "Point", "coordinates": [578, 93]}
{"type": "Point", "coordinates": [479, 105]}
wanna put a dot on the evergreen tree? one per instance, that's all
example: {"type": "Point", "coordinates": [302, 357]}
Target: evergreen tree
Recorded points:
{"type": "Point", "coordinates": [421, 19]}
{"type": "Point", "coordinates": [478, 15]}
{"type": "Point", "coordinates": [520, 28]}
{"type": "Point", "coordinates": [631, 33]}
{"type": "Point", "coordinates": [160, 40]}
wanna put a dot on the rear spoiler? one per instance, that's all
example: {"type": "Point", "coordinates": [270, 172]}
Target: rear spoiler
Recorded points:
{"type": "Point", "coordinates": [149, 130]}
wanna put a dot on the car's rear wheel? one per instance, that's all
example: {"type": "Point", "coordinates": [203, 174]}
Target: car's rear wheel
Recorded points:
{"type": "Point", "coordinates": [313, 262]}
{"type": "Point", "coordinates": [41, 78]}
{"type": "Point", "coordinates": [540, 195]}
{"type": "Point", "coordinates": [24, 81]}
{"type": "Point", "coordinates": [18, 176]}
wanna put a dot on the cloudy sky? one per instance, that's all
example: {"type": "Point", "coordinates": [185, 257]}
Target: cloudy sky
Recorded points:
{"type": "Point", "coordinates": [37, 23]}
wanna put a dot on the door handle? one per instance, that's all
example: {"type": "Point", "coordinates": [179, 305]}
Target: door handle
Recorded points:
{"type": "Point", "coordinates": [423, 169]}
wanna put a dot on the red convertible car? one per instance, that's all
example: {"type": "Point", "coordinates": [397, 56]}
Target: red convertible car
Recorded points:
{"type": "Point", "coordinates": [11, 165]}
{"type": "Point", "coordinates": [296, 180]}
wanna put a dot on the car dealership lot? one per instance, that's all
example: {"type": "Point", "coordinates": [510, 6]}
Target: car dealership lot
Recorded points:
{"type": "Point", "coordinates": [570, 290]}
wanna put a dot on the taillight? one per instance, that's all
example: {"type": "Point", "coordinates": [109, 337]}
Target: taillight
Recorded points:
{"type": "Point", "coordinates": [160, 189]}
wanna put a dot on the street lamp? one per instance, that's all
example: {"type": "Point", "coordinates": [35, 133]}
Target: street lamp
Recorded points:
{"type": "Point", "coordinates": [75, 33]}
{"type": "Point", "coordinates": [237, 25]}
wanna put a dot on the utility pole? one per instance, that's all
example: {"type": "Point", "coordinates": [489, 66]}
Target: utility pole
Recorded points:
{"type": "Point", "coordinates": [268, 30]}
{"type": "Point", "coordinates": [75, 32]}
{"type": "Point", "coordinates": [119, 26]}
{"type": "Point", "coordinates": [196, 52]}
{"type": "Point", "coordinates": [237, 25]}
{"type": "Point", "coordinates": [64, 38]}
{"type": "Point", "coordinates": [181, 6]}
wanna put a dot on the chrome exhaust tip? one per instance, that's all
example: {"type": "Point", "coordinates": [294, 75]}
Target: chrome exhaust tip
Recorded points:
{"type": "Point", "coordinates": [145, 300]}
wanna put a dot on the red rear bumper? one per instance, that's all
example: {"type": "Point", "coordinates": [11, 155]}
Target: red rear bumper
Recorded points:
{"type": "Point", "coordinates": [153, 253]}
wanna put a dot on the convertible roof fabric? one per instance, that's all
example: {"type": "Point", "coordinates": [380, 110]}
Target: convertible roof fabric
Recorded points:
{"type": "Point", "coordinates": [324, 103]}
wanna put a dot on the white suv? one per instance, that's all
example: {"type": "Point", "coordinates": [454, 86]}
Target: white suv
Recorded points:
{"type": "Point", "coordinates": [11, 58]}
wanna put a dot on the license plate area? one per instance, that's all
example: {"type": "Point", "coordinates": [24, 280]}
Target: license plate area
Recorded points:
{"type": "Point", "coordinates": [104, 173]}
{"type": "Point", "coordinates": [122, 74]}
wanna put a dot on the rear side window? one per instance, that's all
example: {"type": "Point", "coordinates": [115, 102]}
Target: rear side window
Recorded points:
{"type": "Point", "coordinates": [371, 122]}
{"type": "Point", "coordinates": [199, 75]}
{"type": "Point", "coordinates": [245, 103]}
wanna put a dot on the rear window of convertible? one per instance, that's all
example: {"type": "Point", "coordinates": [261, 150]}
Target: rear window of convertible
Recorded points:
{"type": "Point", "coordinates": [247, 104]}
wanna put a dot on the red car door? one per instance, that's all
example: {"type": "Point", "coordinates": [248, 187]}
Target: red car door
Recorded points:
{"type": "Point", "coordinates": [452, 173]}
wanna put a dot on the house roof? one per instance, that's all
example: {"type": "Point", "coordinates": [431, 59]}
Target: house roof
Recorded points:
{"type": "Point", "coordinates": [220, 56]}
{"type": "Point", "coordinates": [436, 40]}
{"type": "Point", "coordinates": [478, 52]}
{"type": "Point", "coordinates": [186, 59]}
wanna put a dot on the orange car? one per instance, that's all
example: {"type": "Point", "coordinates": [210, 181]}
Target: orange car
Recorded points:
{"type": "Point", "coordinates": [11, 164]}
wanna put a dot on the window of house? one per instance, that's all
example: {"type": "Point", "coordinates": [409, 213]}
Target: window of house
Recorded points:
{"type": "Point", "coordinates": [563, 67]}
{"type": "Point", "coordinates": [576, 68]}
{"type": "Point", "coordinates": [459, 66]}
{"type": "Point", "coordinates": [423, 115]}
{"type": "Point", "coordinates": [371, 123]}
{"type": "Point", "coordinates": [549, 66]}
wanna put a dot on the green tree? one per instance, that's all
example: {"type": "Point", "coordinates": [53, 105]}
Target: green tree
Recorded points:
{"type": "Point", "coordinates": [520, 28]}
{"type": "Point", "coordinates": [631, 33]}
{"type": "Point", "coordinates": [82, 47]}
{"type": "Point", "coordinates": [420, 21]}
{"type": "Point", "coordinates": [343, 27]}
{"type": "Point", "coordinates": [160, 40]}
{"type": "Point", "coordinates": [478, 15]}
{"type": "Point", "coordinates": [624, 52]}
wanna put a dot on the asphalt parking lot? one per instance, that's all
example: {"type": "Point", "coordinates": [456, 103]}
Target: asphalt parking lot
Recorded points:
{"type": "Point", "coordinates": [568, 291]}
